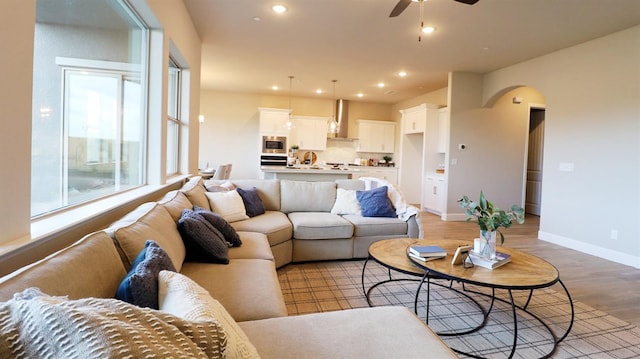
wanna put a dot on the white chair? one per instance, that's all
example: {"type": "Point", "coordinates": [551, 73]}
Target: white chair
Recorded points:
{"type": "Point", "coordinates": [222, 172]}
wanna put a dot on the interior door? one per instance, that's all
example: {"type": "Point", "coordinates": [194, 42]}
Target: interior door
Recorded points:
{"type": "Point", "coordinates": [534, 162]}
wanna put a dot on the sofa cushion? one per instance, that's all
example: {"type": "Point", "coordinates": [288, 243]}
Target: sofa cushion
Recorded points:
{"type": "Point", "coordinates": [268, 190]}
{"type": "Point", "coordinates": [300, 196]}
{"type": "Point", "coordinates": [140, 286]}
{"type": "Point", "coordinates": [174, 202]}
{"type": "Point", "coordinates": [320, 225]}
{"type": "Point", "coordinates": [248, 288]}
{"type": "Point", "coordinates": [254, 246]}
{"type": "Point", "coordinates": [54, 327]}
{"type": "Point", "coordinates": [252, 202]}
{"type": "Point", "coordinates": [375, 203]}
{"type": "Point", "coordinates": [352, 184]}
{"type": "Point", "coordinates": [377, 226]}
{"type": "Point", "coordinates": [203, 242]}
{"type": "Point", "coordinates": [227, 204]}
{"type": "Point", "coordinates": [182, 297]}
{"type": "Point", "coordinates": [229, 233]}
{"type": "Point", "coordinates": [218, 186]}
{"type": "Point", "coordinates": [373, 333]}
{"type": "Point", "coordinates": [274, 224]}
{"type": "Point", "coordinates": [195, 192]}
{"type": "Point", "coordinates": [149, 221]}
{"type": "Point", "coordinates": [70, 271]}
{"type": "Point", "coordinates": [346, 202]}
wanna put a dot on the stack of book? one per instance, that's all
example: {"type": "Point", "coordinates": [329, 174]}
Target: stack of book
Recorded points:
{"type": "Point", "coordinates": [500, 260]}
{"type": "Point", "coordinates": [426, 253]}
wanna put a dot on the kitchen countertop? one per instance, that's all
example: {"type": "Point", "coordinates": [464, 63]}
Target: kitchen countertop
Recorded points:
{"type": "Point", "coordinates": [308, 169]}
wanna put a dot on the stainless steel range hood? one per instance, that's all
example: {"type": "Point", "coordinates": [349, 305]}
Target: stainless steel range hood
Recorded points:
{"type": "Point", "coordinates": [342, 120]}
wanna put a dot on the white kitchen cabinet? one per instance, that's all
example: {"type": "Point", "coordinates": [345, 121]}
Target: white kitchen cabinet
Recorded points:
{"type": "Point", "coordinates": [273, 121]}
{"type": "Point", "coordinates": [433, 192]}
{"type": "Point", "coordinates": [309, 133]}
{"type": "Point", "coordinates": [376, 136]}
{"type": "Point", "coordinates": [443, 130]}
{"type": "Point", "coordinates": [414, 119]}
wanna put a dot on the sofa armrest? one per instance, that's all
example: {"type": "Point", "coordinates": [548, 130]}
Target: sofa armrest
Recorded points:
{"type": "Point", "coordinates": [414, 226]}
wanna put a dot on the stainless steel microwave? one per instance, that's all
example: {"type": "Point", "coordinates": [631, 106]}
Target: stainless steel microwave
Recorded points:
{"type": "Point", "coordinates": [274, 144]}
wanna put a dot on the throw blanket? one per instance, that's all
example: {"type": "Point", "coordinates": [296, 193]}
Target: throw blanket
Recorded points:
{"type": "Point", "coordinates": [403, 210]}
{"type": "Point", "coordinates": [40, 326]}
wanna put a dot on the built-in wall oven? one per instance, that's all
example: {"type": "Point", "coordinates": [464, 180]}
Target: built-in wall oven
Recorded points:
{"type": "Point", "coordinates": [273, 160]}
{"type": "Point", "coordinates": [274, 145]}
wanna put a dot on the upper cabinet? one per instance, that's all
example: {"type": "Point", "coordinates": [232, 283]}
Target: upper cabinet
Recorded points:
{"type": "Point", "coordinates": [414, 119]}
{"type": "Point", "coordinates": [273, 121]}
{"type": "Point", "coordinates": [376, 136]}
{"type": "Point", "coordinates": [309, 133]}
{"type": "Point", "coordinates": [443, 130]}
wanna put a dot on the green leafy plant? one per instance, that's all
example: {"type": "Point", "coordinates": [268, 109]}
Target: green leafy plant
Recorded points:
{"type": "Point", "coordinates": [387, 158]}
{"type": "Point", "coordinates": [489, 217]}
{"type": "Point", "coordinates": [295, 147]}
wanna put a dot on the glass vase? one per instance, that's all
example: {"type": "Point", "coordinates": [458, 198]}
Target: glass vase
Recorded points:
{"type": "Point", "coordinates": [488, 244]}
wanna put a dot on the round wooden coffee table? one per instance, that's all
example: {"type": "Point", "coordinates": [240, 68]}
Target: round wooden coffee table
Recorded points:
{"type": "Point", "coordinates": [524, 272]}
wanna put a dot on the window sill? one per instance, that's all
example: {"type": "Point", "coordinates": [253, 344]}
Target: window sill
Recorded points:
{"type": "Point", "coordinates": [57, 224]}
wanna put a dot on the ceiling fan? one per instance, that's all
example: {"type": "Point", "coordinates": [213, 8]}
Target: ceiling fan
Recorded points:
{"type": "Point", "coordinates": [403, 4]}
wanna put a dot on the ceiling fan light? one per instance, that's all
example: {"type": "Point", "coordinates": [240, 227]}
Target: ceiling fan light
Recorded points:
{"type": "Point", "coordinates": [428, 30]}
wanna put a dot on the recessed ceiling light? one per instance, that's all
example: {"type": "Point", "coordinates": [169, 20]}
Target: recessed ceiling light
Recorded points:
{"type": "Point", "coordinates": [428, 30]}
{"type": "Point", "coordinates": [275, 88]}
{"type": "Point", "coordinates": [319, 91]}
{"type": "Point", "coordinates": [279, 8]}
{"type": "Point", "coordinates": [402, 73]}
{"type": "Point", "coordinates": [381, 84]}
{"type": "Point", "coordinates": [256, 18]}
{"type": "Point", "coordinates": [360, 94]}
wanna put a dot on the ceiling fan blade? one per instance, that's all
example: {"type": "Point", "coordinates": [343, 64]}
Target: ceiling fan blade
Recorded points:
{"type": "Point", "coordinates": [468, 2]}
{"type": "Point", "coordinates": [399, 8]}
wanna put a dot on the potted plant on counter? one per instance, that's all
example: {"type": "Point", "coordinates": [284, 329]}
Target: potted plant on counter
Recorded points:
{"type": "Point", "coordinates": [388, 160]}
{"type": "Point", "coordinates": [490, 219]}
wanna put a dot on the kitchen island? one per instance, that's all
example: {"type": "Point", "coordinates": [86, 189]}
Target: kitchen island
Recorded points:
{"type": "Point", "coordinates": [307, 173]}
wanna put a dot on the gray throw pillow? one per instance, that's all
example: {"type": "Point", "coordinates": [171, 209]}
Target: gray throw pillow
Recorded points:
{"type": "Point", "coordinates": [140, 286]}
{"type": "Point", "coordinates": [252, 202]}
{"type": "Point", "coordinates": [229, 233]}
{"type": "Point", "coordinates": [203, 242]}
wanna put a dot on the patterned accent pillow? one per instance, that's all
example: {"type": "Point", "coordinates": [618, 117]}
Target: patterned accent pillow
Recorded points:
{"type": "Point", "coordinates": [227, 204]}
{"type": "Point", "coordinates": [204, 243]}
{"type": "Point", "coordinates": [229, 233]}
{"type": "Point", "coordinates": [184, 298]}
{"type": "Point", "coordinates": [140, 286]}
{"type": "Point", "coordinates": [346, 203]}
{"type": "Point", "coordinates": [376, 203]}
{"type": "Point", "coordinates": [252, 202]}
{"type": "Point", "coordinates": [41, 326]}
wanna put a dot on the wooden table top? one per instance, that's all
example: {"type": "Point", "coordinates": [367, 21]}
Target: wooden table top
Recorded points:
{"type": "Point", "coordinates": [525, 271]}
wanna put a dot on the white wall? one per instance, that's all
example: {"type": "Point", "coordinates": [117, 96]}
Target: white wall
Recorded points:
{"type": "Point", "coordinates": [17, 19]}
{"type": "Point", "coordinates": [593, 122]}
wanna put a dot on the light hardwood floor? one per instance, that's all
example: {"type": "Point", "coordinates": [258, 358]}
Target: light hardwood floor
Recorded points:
{"type": "Point", "coordinates": [611, 287]}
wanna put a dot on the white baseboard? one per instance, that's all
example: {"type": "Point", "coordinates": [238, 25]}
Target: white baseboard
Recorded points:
{"type": "Point", "coordinates": [605, 253]}
{"type": "Point", "coordinates": [454, 217]}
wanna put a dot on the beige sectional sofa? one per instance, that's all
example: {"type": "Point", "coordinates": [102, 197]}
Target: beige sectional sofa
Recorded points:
{"type": "Point", "coordinates": [300, 226]}
{"type": "Point", "coordinates": [247, 287]}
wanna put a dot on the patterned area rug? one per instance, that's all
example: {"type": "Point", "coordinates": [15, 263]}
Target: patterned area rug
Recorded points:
{"type": "Point", "coordinates": [328, 286]}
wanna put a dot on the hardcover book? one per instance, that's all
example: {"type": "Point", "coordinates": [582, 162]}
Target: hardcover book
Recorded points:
{"type": "Point", "coordinates": [427, 251]}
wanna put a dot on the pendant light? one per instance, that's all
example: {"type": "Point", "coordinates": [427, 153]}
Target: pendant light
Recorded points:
{"type": "Point", "coordinates": [333, 124]}
{"type": "Point", "coordinates": [289, 124]}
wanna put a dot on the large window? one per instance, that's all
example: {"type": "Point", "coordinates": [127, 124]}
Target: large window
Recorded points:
{"type": "Point", "coordinates": [88, 102]}
{"type": "Point", "coordinates": [173, 118]}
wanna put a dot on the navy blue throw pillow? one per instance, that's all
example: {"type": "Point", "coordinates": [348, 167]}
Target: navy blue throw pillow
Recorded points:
{"type": "Point", "coordinates": [252, 202]}
{"type": "Point", "coordinates": [375, 203]}
{"type": "Point", "coordinates": [202, 241]}
{"type": "Point", "coordinates": [140, 286]}
{"type": "Point", "coordinates": [229, 233]}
